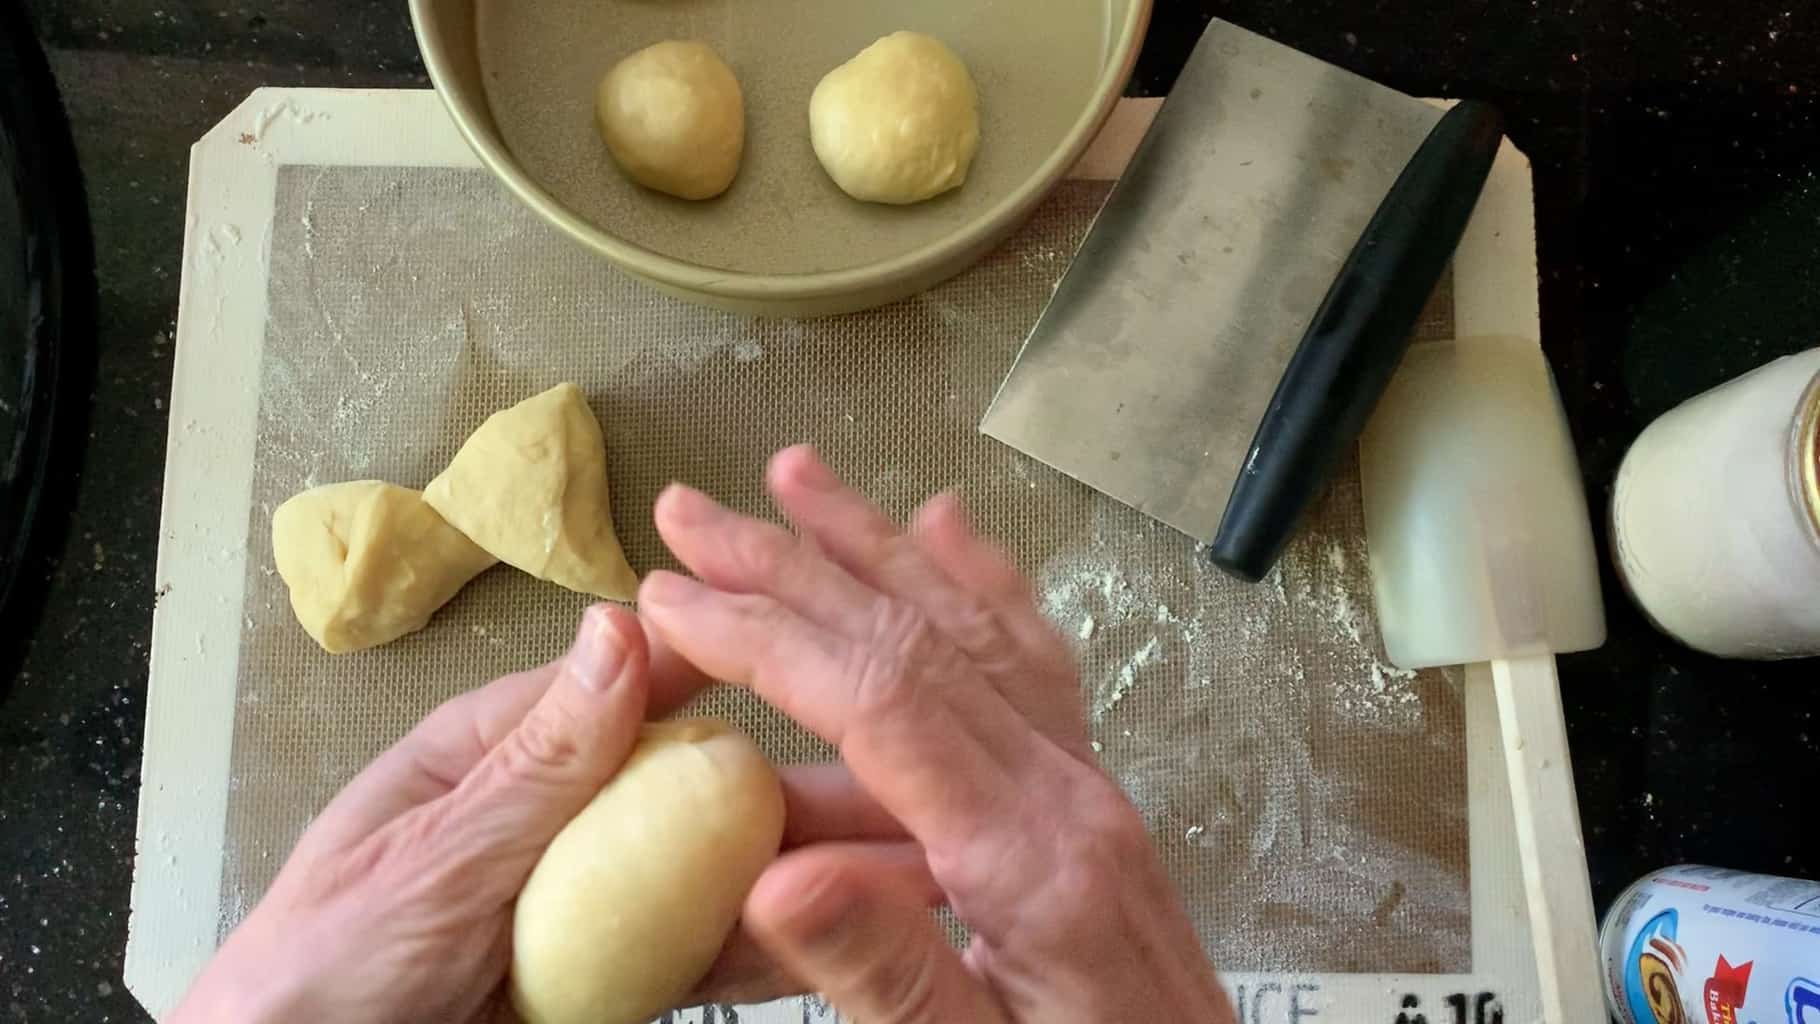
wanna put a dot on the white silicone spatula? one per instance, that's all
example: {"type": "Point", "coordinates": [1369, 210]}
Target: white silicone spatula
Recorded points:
{"type": "Point", "coordinates": [1482, 551]}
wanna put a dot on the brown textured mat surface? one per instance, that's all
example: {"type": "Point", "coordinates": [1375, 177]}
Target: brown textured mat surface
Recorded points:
{"type": "Point", "coordinates": [1310, 801]}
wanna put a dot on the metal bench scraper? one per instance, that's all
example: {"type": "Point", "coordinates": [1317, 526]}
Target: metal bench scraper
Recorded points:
{"type": "Point", "coordinates": [1246, 292]}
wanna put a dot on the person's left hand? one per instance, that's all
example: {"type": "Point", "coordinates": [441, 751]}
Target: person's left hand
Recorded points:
{"type": "Point", "coordinates": [396, 903]}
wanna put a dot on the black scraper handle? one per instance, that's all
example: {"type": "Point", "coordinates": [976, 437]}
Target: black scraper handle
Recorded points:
{"type": "Point", "coordinates": [1358, 337]}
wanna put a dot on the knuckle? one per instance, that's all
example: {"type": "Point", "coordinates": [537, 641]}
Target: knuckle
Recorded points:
{"type": "Point", "coordinates": [908, 984]}
{"type": "Point", "coordinates": [1109, 837]}
{"type": "Point", "coordinates": [403, 861]}
{"type": "Point", "coordinates": [970, 871]}
{"type": "Point", "coordinates": [773, 625]}
{"type": "Point", "coordinates": [1079, 891]}
{"type": "Point", "coordinates": [1114, 821]}
{"type": "Point", "coordinates": [762, 553]}
{"type": "Point", "coordinates": [897, 555]}
{"type": "Point", "coordinates": [1007, 666]}
{"type": "Point", "coordinates": [325, 877]}
{"type": "Point", "coordinates": [976, 630]}
{"type": "Point", "coordinates": [812, 907]}
{"type": "Point", "coordinates": [451, 852]}
{"type": "Point", "coordinates": [884, 685]}
{"type": "Point", "coordinates": [543, 743]}
{"type": "Point", "coordinates": [769, 614]}
{"type": "Point", "coordinates": [833, 913]}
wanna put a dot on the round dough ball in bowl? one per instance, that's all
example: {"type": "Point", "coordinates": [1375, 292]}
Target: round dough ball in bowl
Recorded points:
{"type": "Point", "coordinates": [898, 123]}
{"type": "Point", "coordinates": [674, 119]}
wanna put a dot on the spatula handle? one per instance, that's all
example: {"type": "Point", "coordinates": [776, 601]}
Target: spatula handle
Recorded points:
{"type": "Point", "coordinates": [1549, 842]}
{"type": "Point", "coordinates": [1357, 338]}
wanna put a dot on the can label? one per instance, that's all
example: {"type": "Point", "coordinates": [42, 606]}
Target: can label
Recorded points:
{"type": "Point", "coordinates": [1700, 945]}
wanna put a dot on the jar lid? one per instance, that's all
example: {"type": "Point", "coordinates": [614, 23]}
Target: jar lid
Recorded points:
{"type": "Point", "coordinates": [1807, 452]}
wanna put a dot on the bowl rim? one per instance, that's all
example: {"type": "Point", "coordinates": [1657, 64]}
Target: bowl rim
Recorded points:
{"type": "Point", "coordinates": [735, 284]}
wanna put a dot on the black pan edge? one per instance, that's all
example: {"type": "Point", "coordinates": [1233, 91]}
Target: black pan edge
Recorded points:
{"type": "Point", "coordinates": [47, 326]}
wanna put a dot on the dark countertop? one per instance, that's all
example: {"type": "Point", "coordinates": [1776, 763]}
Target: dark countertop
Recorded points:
{"type": "Point", "coordinates": [1676, 145]}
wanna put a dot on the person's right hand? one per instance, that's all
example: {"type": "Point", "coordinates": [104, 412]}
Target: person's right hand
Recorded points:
{"type": "Point", "coordinates": [922, 656]}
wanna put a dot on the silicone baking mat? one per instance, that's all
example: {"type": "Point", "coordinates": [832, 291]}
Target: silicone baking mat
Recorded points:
{"type": "Point", "coordinates": [1311, 802]}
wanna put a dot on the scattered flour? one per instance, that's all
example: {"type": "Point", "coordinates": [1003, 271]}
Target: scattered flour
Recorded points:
{"type": "Point", "coordinates": [1089, 580]}
{"type": "Point", "coordinates": [1342, 613]}
{"type": "Point", "coordinates": [1307, 629]}
{"type": "Point", "coordinates": [1128, 675]}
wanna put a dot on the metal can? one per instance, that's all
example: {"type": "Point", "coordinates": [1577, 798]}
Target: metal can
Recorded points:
{"type": "Point", "coordinates": [1716, 515]}
{"type": "Point", "coordinates": [1701, 945]}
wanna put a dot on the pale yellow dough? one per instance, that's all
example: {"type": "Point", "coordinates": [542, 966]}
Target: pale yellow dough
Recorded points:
{"type": "Point", "coordinates": [530, 486]}
{"type": "Point", "coordinates": [632, 902]}
{"type": "Point", "coordinates": [367, 562]}
{"type": "Point", "coordinates": [674, 118]}
{"type": "Point", "coordinates": [898, 123]}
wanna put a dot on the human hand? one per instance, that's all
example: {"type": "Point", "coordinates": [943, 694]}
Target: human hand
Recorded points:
{"type": "Point", "coordinates": [396, 903]}
{"type": "Point", "coordinates": [923, 658]}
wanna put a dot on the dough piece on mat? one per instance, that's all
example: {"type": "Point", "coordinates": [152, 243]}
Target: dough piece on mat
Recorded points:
{"type": "Point", "coordinates": [898, 123]}
{"type": "Point", "coordinates": [674, 119]}
{"type": "Point", "coordinates": [530, 486]}
{"type": "Point", "coordinates": [367, 562]}
{"type": "Point", "coordinates": [632, 901]}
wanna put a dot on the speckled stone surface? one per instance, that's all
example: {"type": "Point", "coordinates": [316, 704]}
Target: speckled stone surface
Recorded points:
{"type": "Point", "coordinates": [1677, 152]}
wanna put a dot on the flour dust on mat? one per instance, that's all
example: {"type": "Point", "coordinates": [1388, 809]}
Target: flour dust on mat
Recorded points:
{"type": "Point", "coordinates": [1310, 806]}
{"type": "Point", "coordinates": [1243, 719]}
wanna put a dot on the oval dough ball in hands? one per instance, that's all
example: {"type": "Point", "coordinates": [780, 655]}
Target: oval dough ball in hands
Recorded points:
{"type": "Point", "coordinates": [673, 117]}
{"type": "Point", "coordinates": [631, 903]}
{"type": "Point", "coordinates": [367, 562]}
{"type": "Point", "coordinates": [898, 123]}
{"type": "Point", "coordinates": [530, 486]}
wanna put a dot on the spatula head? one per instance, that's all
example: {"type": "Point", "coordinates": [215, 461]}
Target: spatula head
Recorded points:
{"type": "Point", "coordinates": [1480, 542]}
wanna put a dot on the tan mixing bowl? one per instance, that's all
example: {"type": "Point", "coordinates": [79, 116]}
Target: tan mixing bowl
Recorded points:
{"type": "Point", "coordinates": [519, 75]}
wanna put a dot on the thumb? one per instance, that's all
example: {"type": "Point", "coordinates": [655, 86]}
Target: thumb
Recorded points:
{"type": "Point", "coordinates": [865, 941]}
{"type": "Point", "coordinates": [542, 773]}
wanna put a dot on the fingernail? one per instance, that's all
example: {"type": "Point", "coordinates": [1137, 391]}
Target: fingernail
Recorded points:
{"type": "Point", "coordinates": [828, 916]}
{"type": "Point", "coordinates": [949, 505]}
{"type": "Point", "coordinates": [668, 588]}
{"type": "Point", "coordinates": [686, 506]}
{"type": "Point", "coordinates": [812, 472]}
{"type": "Point", "coordinates": [598, 654]}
